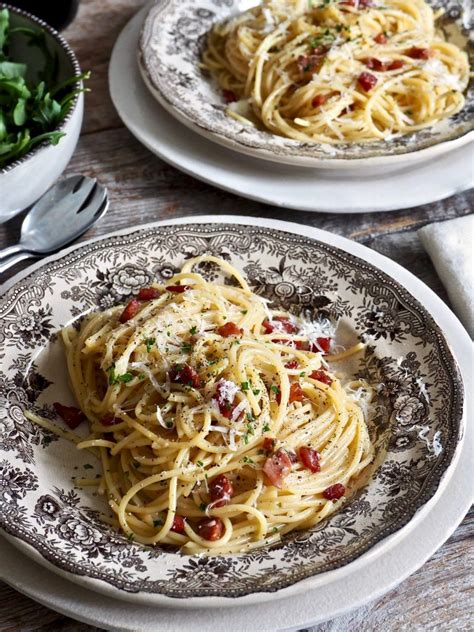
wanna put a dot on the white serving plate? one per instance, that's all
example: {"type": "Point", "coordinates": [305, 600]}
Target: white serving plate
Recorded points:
{"type": "Point", "coordinates": [284, 186]}
{"type": "Point", "coordinates": [368, 578]}
{"type": "Point", "coordinates": [67, 527]}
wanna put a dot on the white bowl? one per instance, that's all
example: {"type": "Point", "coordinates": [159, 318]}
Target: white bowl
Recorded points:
{"type": "Point", "coordinates": [22, 182]}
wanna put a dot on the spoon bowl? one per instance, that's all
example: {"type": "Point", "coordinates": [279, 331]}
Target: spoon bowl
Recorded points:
{"type": "Point", "coordinates": [59, 217]}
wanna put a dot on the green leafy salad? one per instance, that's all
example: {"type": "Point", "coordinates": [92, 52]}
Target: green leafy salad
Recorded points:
{"type": "Point", "coordinates": [30, 113]}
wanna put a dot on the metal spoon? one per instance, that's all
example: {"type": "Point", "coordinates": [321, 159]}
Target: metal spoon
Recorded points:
{"type": "Point", "coordinates": [59, 217]}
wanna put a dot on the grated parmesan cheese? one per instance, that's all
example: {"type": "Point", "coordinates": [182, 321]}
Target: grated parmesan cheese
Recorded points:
{"type": "Point", "coordinates": [441, 74]}
{"type": "Point", "coordinates": [227, 390]}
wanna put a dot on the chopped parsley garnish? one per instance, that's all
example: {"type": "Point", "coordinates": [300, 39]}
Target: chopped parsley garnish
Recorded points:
{"type": "Point", "coordinates": [186, 347]}
{"type": "Point", "coordinates": [250, 429]}
{"type": "Point", "coordinates": [244, 386]}
{"type": "Point", "coordinates": [250, 417]}
{"type": "Point", "coordinates": [193, 330]}
{"type": "Point", "coordinates": [149, 343]}
{"type": "Point", "coordinates": [125, 377]}
{"type": "Point", "coordinates": [275, 389]}
{"type": "Point", "coordinates": [130, 536]}
{"type": "Point", "coordinates": [255, 391]}
{"type": "Point", "coordinates": [202, 506]}
{"type": "Point", "coordinates": [200, 463]}
{"type": "Point", "coordinates": [247, 459]}
{"type": "Point", "coordinates": [116, 379]}
{"type": "Point", "coordinates": [266, 428]}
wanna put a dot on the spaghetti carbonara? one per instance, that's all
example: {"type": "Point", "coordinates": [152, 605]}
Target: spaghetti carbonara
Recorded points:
{"type": "Point", "coordinates": [219, 423]}
{"type": "Point", "coordinates": [333, 71]}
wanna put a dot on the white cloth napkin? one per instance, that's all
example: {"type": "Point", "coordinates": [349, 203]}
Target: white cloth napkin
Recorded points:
{"type": "Point", "coordinates": [451, 248]}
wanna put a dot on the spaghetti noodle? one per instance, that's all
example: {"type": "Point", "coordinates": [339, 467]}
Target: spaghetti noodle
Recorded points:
{"type": "Point", "coordinates": [218, 422]}
{"type": "Point", "coordinates": [333, 71]}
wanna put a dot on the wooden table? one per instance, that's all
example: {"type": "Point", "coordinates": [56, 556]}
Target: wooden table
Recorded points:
{"type": "Point", "coordinates": [142, 189]}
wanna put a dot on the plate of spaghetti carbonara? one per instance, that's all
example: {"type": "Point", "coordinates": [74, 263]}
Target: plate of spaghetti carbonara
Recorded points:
{"type": "Point", "coordinates": [302, 80]}
{"type": "Point", "coordinates": [217, 410]}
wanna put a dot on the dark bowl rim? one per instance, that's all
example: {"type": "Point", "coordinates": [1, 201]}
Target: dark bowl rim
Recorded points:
{"type": "Point", "coordinates": [76, 69]}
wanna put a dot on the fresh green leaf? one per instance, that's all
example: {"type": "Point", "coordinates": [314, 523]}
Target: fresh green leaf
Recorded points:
{"type": "Point", "coordinates": [30, 113]}
{"type": "Point", "coordinates": [149, 342]}
{"type": "Point", "coordinates": [12, 70]}
{"type": "Point", "coordinates": [19, 113]}
{"type": "Point", "coordinates": [4, 23]}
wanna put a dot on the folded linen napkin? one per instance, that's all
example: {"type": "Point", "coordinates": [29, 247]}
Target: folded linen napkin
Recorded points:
{"type": "Point", "coordinates": [451, 248]}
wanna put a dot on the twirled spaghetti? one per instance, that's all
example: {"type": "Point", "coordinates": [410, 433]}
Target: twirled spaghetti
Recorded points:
{"type": "Point", "coordinates": [336, 71]}
{"type": "Point", "coordinates": [219, 423]}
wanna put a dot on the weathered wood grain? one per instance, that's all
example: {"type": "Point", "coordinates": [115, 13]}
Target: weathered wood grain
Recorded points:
{"type": "Point", "coordinates": [143, 189]}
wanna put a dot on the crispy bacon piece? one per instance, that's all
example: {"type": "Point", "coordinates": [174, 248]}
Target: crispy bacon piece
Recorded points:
{"type": "Point", "coordinates": [374, 64]}
{"type": "Point", "coordinates": [229, 96]}
{"type": "Point", "coordinates": [148, 294]}
{"type": "Point", "coordinates": [322, 345]}
{"type": "Point", "coordinates": [291, 364]}
{"type": "Point", "coordinates": [307, 63]}
{"type": "Point", "coordinates": [296, 394]}
{"type": "Point", "coordinates": [381, 66]}
{"type": "Point", "coordinates": [210, 529]}
{"type": "Point", "coordinates": [396, 64]}
{"type": "Point", "coordinates": [229, 329]}
{"type": "Point", "coordinates": [130, 310]}
{"type": "Point", "coordinates": [71, 415]}
{"type": "Point", "coordinates": [178, 289]}
{"type": "Point", "coordinates": [381, 38]}
{"type": "Point", "coordinates": [334, 492]}
{"type": "Point", "coordinates": [276, 467]}
{"type": "Point", "coordinates": [349, 108]}
{"type": "Point", "coordinates": [178, 524]}
{"type": "Point", "coordinates": [110, 420]}
{"type": "Point", "coordinates": [321, 376]}
{"type": "Point", "coordinates": [419, 53]}
{"type": "Point", "coordinates": [367, 81]}
{"type": "Point", "coordinates": [221, 490]}
{"type": "Point", "coordinates": [226, 407]}
{"type": "Point", "coordinates": [310, 459]}
{"type": "Point", "coordinates": [319, 99]}
{"type": "Point", "coordinates": [297, 344]}
{"type": "Point", "coordinates": [269, 444]}
{"type": "Point", "coordinates": [185, 374]}
{"type": "Point", "coordinates": [358, 4]}
{"type": "Point", "coordinates": [285, 325]}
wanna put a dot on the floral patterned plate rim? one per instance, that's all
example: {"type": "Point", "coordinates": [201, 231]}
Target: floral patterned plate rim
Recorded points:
{"type": "Point", "coordinates": [170, 45]}
{"type": "Point", "coordinates": [417, 421]}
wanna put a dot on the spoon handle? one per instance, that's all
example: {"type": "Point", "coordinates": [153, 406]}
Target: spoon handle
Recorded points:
{"type": "Point", "coordinates": [5, 264]}
{"type": "Point", "coordinates": [11, 250]}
